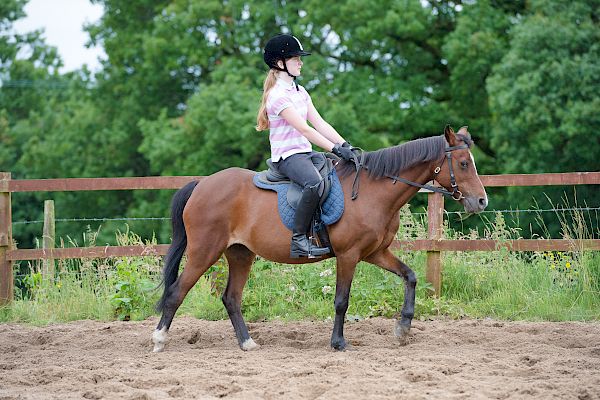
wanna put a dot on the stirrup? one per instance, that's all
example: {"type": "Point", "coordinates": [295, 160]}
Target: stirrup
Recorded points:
{"type": "Point", "coordinates": [317, 249]}
{"type": "Point", "coordinates": [302, 254]}
{"type": "Point", "coordinates": [299, 249]}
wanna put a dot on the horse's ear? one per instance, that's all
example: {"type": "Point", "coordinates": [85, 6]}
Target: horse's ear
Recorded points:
{"type": "Point", "coordinates": [450, 135]}
{"type": "Point", "coordinates": [464, 130]}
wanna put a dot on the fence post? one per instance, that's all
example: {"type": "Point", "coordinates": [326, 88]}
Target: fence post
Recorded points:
{"type": "Point", "coordinates": [435, 223]}
{"type": "Point", "coordinates": [6, 272]}
{"type": "Point", "coordinates": [48, 238]}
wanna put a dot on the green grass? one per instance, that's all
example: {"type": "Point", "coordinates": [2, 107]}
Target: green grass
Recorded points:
{"type": "Point", "coordinates": [66, 300]}
{"type": "Point", "coordinates": [548, 286]}
{"type": "Point", "coordinates": [554, 286]}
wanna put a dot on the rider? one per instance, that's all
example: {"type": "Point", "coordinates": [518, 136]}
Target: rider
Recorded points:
{"type": "Point", "coordinates": [284, 110]}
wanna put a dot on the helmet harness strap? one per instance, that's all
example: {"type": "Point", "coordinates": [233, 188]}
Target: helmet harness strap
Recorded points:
{"type": "Point", "coordinates": [284, 69]}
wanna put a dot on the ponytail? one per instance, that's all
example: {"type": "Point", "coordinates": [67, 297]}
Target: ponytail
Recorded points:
{"type": "Point", "coordinates": [262, 121]}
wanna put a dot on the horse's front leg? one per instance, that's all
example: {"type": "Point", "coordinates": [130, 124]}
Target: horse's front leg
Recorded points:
{"type": "Point", "coordinates": [386, 260]}
{"type": "Point", "coordinates": [345, 272]}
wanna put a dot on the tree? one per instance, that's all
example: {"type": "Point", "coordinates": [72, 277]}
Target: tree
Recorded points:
{"type": "Point", "coordinates": [38, 61]}
{"type": "Point", "coordinates": [28, 84]}
{"type": "Point", "coordinates": [182, 82]}
{"type": "Point", "coordinates": [543, 95]}
{"type": "Point", "coordinates": [478, 43]}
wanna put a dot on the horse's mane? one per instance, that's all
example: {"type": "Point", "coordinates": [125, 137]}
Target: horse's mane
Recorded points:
{"type": "Point", "coordinates": [394, 160]}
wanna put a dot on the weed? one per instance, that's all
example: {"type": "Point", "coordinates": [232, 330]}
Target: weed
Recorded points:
{"type": "Point", "coordinates": [498, 284]}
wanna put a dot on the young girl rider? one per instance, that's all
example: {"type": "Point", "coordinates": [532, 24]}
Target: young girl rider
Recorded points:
{"type": "Point", "coordinates": [285, 108]}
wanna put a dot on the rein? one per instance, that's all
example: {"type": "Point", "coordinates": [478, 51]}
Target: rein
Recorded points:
{"type": "Point", "coordinates": [359, 164]}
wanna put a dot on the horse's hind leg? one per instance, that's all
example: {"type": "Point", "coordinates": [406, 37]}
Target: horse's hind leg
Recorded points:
{"type": "Point", "coordinates": [240, 261]}
{"type": "Point", "coordinates": [387, 260]}
{"type": "Point", "coordinates": [200, 258]}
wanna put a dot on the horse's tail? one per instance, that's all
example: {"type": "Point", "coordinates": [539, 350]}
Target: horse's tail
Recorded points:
{"type": "Point", "coordinates": [179, 242]}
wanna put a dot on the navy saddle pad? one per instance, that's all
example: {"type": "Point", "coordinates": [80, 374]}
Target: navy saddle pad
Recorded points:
{"type": "Point", "coordinates": [332, 207]}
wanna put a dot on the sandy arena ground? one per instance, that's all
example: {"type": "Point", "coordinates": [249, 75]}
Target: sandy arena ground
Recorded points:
{"type": "Point", "coordinates": [468, 359]}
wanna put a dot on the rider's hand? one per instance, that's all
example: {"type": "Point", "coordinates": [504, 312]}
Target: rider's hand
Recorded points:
{"type": "Point", "coordinates": [344, 152]}
{"type": "Point", "coordinates": [356, 150]}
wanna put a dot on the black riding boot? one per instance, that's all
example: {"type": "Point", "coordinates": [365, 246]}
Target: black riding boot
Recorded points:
{"type": "Point", "coordinates": [301, 246]}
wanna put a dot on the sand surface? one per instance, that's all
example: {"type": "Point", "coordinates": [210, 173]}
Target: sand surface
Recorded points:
{"type": "Point", "coordinates": [445, 359]}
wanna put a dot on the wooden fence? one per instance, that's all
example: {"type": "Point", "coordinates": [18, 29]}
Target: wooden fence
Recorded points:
{"type": "Point", "coordinates": [434, 245]}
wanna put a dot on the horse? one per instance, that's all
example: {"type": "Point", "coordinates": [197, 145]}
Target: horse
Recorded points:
{"type": "Point", "coordinates": [226, 213]}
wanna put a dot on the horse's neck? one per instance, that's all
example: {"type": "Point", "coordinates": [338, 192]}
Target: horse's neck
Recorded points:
{"type": "Point", "coordinates": [392, 196]}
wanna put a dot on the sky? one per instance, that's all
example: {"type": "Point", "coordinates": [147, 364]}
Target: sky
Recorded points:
{"type": "Point", "coordinates": [62, 21]}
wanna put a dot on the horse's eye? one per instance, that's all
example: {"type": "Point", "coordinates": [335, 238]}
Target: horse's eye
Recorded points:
{"type": "Point", "coordinates": [464, 164]}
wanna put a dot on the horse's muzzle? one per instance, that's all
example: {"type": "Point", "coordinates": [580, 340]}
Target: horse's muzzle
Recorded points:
{"type": "Point", "coordinates": [475, 204]}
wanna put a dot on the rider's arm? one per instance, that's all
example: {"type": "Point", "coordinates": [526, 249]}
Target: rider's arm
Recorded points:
{"type": "Point", "coordinates": [323, 126]}
{"type": "Point", "coordinates": [294, 119]}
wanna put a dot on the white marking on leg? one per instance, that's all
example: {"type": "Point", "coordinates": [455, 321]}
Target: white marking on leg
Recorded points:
{"type": "Point", "coordinates": [160, 338]}
{"type": "Point", "coordinates": [249, 345]}
{"type": "Point", "coordinates": [400, 330]}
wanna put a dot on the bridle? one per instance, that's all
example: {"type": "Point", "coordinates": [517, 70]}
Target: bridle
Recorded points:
{"type": "Point", "coordinates": [455, 194]}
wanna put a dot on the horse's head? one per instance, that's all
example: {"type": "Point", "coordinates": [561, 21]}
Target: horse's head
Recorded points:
{"type": "Point", "coordinates": [457, 172]}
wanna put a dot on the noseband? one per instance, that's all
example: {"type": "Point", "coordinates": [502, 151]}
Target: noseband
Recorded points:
{"type": "Point", "coordinates": [455, 194]}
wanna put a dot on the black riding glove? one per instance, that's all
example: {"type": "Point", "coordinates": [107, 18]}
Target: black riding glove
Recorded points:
{"type": "Point", "coordinates": [356, 150]}
{"type": "Point", "coordinates": [344, 152]}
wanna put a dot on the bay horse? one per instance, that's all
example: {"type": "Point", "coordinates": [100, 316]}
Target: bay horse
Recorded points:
{"type": "Point", "coordinates": [226, 213]}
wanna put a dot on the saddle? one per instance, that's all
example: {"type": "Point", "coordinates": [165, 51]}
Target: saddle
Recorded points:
{"type": "Point", "coordinates": [331, 204]}
{"type": "Point", "coordinates": [322, 162]}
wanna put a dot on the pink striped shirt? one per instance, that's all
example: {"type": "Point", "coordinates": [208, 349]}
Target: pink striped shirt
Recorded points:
{"type": "Point", "coordinates": [285, 139]}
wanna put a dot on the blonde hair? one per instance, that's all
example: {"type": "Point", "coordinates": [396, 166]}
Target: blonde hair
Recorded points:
{"type": "Point", "coordinates": [262, 120]}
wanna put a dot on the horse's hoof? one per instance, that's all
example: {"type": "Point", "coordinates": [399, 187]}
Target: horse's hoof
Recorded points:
{"type": "Point", "coordinates": [249, 345]}
{"type": "Point", "coordinates": [401, 330]}
{"type": "Point", "coordinates": [404, 340]}
{"type": "Point", "coordinates": [339, 345]}
{"type": "Point", "coordinates": [159, 337]}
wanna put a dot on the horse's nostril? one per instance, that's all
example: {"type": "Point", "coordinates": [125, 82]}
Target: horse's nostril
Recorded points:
{"type": "Point", "coordinates": [483, 202]}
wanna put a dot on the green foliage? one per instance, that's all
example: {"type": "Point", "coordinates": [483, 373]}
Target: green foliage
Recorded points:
{"type": "Point", "coordinates": [134, 280]}
{"type": "Point", "coordinates": [181, 84]}
{"type": "Point", "coordinates": [498, 284]}
{"type": "Point", "coordinates": [217, 131]}
{"type": "Point", "coordinates": [32, 283]}
{"type": "Point", "coordinates": [544, 100]}
{"type": "Point", "coordinates": [543, 91]}
{"type": "Point", "coordinates": [24, 60]}
{"type": "Point", "coordinates": [131, 287]}
{"type": "Point", "coordinates": [478, 43]}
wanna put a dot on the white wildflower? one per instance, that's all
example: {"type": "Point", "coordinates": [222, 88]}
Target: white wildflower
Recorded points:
{"type": "Point", "coordinates": [326, 289]}
{"type": "Point", "coordinates": [327, 272]}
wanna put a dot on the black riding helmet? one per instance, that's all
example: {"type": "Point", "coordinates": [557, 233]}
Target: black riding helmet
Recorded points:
{"type": "Point", "coordinates": [282, 47]}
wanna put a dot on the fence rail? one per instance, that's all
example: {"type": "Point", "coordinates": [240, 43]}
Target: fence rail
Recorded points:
{"type": "Point", "coordinates": [434, 245]}
{"type": "Point", "coordinates": [175, 182]}
{"type": "Point", "coordinates": [83, 184]}
{"type": "Point", "coordinates": [405, 245]}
